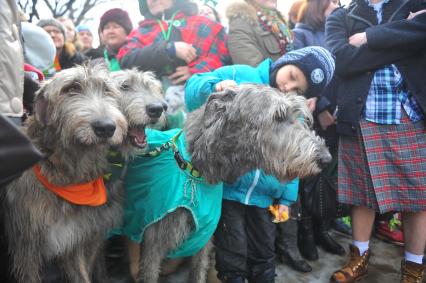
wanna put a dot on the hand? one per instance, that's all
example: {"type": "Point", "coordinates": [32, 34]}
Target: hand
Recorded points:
{"type": "Point", "coordinates": [185, 51]}
{"type": "Point", "coordinates": [358, 39]}
{"type": "Point", "coordinates": [283, 208]}
{"type": "Point", "coordinates": [412, 15]}
{"type": "Point", "coordinates": [312, 103]}
{"type": "Point", "coordinates": [220, 86]}
{"type": "Point", "coordinates": [181, 75]}
{"type": "Point", "coordinates": [326, 119]}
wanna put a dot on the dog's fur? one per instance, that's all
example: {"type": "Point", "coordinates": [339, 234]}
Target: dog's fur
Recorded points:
{"type": "Point", "coordinates": [41, 226]}
{"type": "Point", "coordinates": [236, 131]}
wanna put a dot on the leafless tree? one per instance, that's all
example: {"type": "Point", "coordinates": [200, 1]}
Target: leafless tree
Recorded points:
{"type": "Point", "coordinates": [76, 10]}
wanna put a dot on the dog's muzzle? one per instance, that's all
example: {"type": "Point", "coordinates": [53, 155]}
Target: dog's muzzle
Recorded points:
{"type": "Point", "coordinates": [325, 159]}
{"type": "Point", "coordinates": [104, 128]}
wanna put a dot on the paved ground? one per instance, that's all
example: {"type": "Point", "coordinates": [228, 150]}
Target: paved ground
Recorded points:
{"type": "Point", "coordinates": [384, 267]}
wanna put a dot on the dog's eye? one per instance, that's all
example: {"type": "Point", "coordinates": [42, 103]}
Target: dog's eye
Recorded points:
{"type": "Point", "coordinates": [125, 86]}
{"type": "Point", "coordinates": [73, 88]}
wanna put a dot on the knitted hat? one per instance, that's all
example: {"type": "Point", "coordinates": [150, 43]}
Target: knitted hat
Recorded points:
{"type": "Point", "coordinates": [39, 49]}
{"type": "Point", "coordinates": [316, 63]}
{"type": "Point", "coordinates": [83, 28]}
{"type": "Point", "coordinates": [53, 22]}
{"type": "Point", "coordinates": [118, 16]}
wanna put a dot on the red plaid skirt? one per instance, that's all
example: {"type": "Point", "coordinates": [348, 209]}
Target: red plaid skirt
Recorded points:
{"type": "Point", "coordinates": [384, 167]}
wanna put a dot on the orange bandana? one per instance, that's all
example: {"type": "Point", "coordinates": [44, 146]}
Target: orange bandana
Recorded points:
{"type": "Point", "coordinates": [92, 193]}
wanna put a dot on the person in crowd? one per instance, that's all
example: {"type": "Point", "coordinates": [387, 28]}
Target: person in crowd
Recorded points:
{"type": "Point", "coordinates": [115, 25]}
{"type": "Point", "coordinates": [312, 229]}
{"type": "Point", "coordinates": [175, 42]}
{"type": "Point", "coordinates": [67, 55]}
{"type": "Point", "coordinates": [209, 12]}
{"type": "Point", "coordinates": [293, 13]}
{"type": "Point", "coordinates": [247, 224]}
{"type": "Point", "coordinates": [257, 31]}
{"type": "Point", "coordinates": [16, 151]}
{"type": "Point", "coordinates": [86, 37]}
{"type": "Point", "coordinates": [380, 58]}
{"type": "Point", "coordinates": [39, 48]}
{"type": "Point", "coordinates": [72, 35]}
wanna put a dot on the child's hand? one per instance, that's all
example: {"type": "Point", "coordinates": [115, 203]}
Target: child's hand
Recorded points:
{"type": "Point", "coordinates": [280, 212]}
{"type": "Point", "coordinates": [220, 86]}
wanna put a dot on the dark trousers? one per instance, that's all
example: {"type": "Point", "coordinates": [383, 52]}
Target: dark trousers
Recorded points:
{"type": "Point", "coordinates": [244, 242]}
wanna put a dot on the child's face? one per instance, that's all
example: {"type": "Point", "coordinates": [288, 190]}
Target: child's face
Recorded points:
{"type": "Point", "coordinates": [291, 78]}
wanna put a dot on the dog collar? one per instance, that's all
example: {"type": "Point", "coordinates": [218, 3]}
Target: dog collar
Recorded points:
{"type": "Point", "coordinates": [92, 193]}
{"type": "Point", "coordinates": [181, 162]}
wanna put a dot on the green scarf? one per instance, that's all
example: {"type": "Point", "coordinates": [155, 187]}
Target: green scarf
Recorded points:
{"type": "Point", "coordinates": [112, 63]}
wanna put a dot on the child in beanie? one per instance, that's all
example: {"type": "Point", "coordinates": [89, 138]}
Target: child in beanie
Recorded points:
{"type": "Point", "coordinates": [306, 71]}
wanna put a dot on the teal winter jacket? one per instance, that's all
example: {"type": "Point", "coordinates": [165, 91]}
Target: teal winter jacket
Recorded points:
{"type": "Point", "coordinates": [200, 86]}
{"type": "Point", "coordinates": [254, 188]}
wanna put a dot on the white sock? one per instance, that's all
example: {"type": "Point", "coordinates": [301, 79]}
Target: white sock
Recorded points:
{"type": "Point", "coordinates": [362, 246]}
{"type": "Point", "coordinates": [413, 257]}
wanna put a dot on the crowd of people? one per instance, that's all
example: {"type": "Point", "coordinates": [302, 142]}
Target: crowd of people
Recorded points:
{"type": "Point", "coordinates": [360, 67]}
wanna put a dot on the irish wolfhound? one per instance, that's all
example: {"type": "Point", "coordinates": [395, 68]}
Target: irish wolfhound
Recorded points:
{"type": "Point", "coordinates": [236, 131]}
{"type": "Point", "coordinates": [77, 118]}
{"type": "Point", "coordinates": [142, 104]}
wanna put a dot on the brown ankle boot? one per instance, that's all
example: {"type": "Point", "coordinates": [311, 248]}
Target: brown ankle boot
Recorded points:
{"type": "Point", "coordinates": [355, 269]}
{"type": "Point", "coordinates": [412, 272]}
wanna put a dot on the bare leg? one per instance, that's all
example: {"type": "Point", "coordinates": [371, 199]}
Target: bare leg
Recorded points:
{"type": "Point", "coordinates": [199, 265]}
{"type": "Point", "coordinates": [362, 223]}
{"type": "Point", "coordinates": [75, 266]}
{"type": "Point", "coordinates": [415, 232]}
{"type": "Point", "coordinates": [134, 257]}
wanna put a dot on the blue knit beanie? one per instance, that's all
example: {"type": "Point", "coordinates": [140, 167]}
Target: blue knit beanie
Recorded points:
{"type": "Point", "coordinates": [316, 63]}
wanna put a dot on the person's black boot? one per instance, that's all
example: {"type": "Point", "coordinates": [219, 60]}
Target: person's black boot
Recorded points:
{"type": "Point", "coordinates": [323, 238]}
{"type": "Point", "coordinates": [286, 246]}
{"type": "Point", "coordinates": [305, 239]}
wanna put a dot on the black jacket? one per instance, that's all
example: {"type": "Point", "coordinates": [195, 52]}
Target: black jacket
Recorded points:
{"type": "Point", "coordinates": [356, 65]}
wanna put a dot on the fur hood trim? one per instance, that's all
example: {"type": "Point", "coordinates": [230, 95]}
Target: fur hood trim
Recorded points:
{"type": "Point", "coordinates": [242, 10]}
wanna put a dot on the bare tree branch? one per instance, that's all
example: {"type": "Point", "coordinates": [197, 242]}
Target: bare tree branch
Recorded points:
{"type": "Point", "coordinates": [76, 10]}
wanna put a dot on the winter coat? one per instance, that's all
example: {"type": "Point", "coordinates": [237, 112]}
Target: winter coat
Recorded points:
{"type": "Point", "coordinates": [67, 60]}
{"type": "Point", "coordinates": [147, 49]}
{"type": "Point", "coordinates": [356, 65]}
{"type": "Point", "coordinates": [254, 188]}
{"type": "Point", "coordinates": [11, 61]}
{"type": "Point", "coordinates": [200, 86]}
{"type": "Point", "coordinates": [248, 43]}
{"type": "Point", "coordinates": [305, 35]}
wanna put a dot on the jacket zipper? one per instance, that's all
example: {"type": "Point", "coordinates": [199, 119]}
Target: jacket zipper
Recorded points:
{"type": "Point", "coordinates": [251, 189]}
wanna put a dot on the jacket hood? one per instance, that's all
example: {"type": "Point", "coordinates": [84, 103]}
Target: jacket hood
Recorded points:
{"type": "Point", "coordinates": [186, 6]}
{"type": "Point", "coordinates": [243, 11]}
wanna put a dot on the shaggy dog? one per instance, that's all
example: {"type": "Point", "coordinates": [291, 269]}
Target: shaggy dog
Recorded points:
{"type": "Point", "coordinates": [236, 131]}
{"type": "Point", "coordinates": [77, 119]}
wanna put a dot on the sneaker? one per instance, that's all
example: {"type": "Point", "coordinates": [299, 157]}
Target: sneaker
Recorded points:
{"type": "Point", "coordinates": [389, 232]}
{"type": "Point", "coordinates": [342, 226]}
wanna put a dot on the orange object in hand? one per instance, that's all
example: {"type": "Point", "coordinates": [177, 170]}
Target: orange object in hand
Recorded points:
{"type": "Point", "coordinates": [274, 209]}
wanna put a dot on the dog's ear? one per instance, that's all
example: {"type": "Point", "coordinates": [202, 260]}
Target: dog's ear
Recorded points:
{"type": "Point", "coordinates": [216, 106]}
{"type": "Point", "coordinates": [40, 106]}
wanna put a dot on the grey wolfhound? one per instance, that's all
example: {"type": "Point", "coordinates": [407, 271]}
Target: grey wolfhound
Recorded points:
{"type": "Point", "coordinates": [236, 131]}
{"type": "Point", "coordinates": [77, 119]}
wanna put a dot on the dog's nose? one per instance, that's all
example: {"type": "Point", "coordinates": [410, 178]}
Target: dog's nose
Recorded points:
{"type": "Point", "coordinates": [165, 106]}
{"type": "Point", "coordinates": [104, 128]}
{"type": "Point", "coordinates": [154, 110]}
{"type": "Point", "coordinates": [325, 159]}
